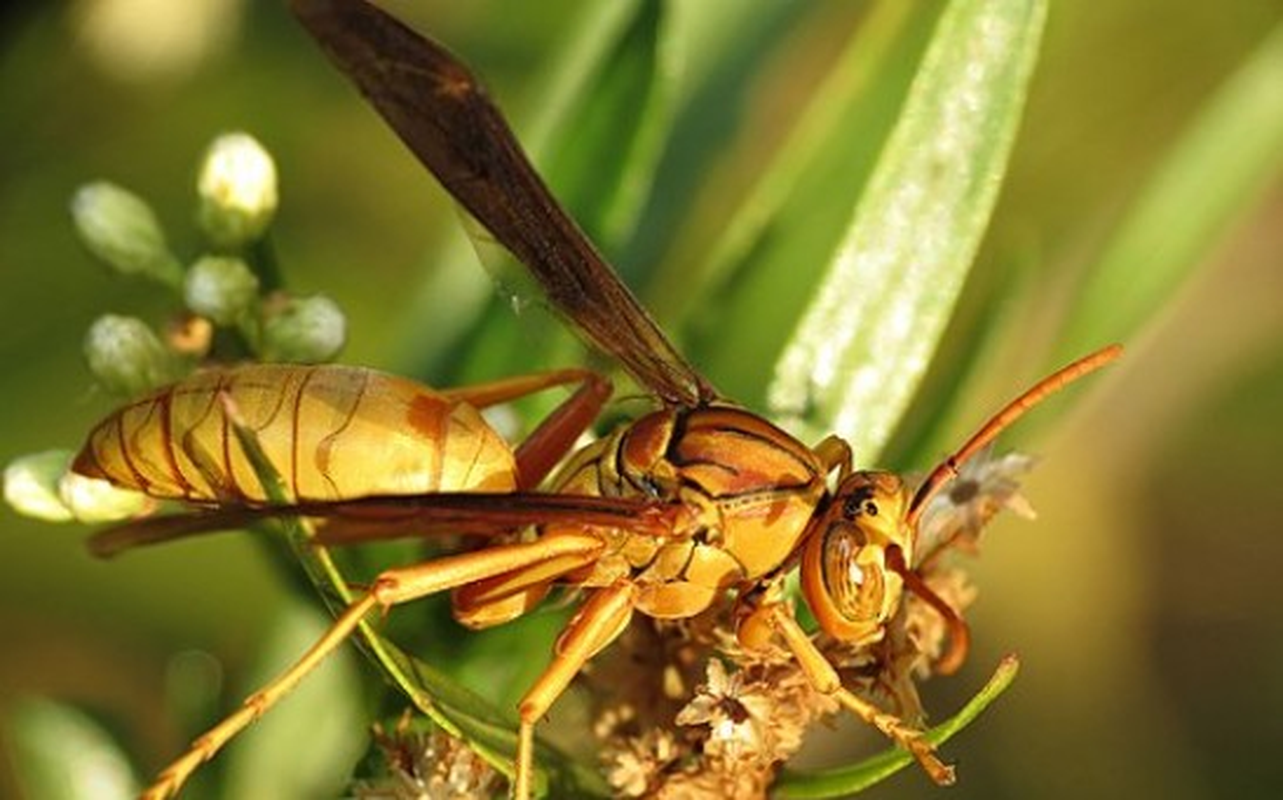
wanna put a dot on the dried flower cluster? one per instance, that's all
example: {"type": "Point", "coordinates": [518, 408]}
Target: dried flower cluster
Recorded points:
{"type": "Point", "coordinates": [427, 765]}
{"type": "Point", "coordinates": [748, 715]}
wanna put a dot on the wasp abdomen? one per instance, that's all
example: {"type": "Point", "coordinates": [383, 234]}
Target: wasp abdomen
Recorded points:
{"type": "Point", "coordinates": [330, 432]}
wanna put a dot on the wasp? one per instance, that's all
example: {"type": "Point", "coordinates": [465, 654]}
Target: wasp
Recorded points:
{"type": "Point", "coordinates": [691, 506]}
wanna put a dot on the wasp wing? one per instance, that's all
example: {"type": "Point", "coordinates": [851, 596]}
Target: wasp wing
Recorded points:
{"type": "Point", "coordinates": [442, 113]}
{"type": "Point", "coordinates": [384, 517]}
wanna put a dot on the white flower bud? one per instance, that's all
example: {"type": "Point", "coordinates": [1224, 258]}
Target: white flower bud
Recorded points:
{"type": "Point", "coordinates": [95, 500]}
{"type": "Point", "coordinates": [31, 485]}
{"type": "Point", "coordinates": [121, 230]}
{"type": "Point", "coordinates": [126, 356]}
{"type": "Point", "coordinates": [237, 190]}
{"type": "Point", "coordinates": [221, 288]}
{"type": "Point", "coordinates": [303, 330]}
{"type": "Point", "coordinates": [42, 486]}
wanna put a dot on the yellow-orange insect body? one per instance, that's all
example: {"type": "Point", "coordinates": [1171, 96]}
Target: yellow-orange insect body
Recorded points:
{"type": "Point", "coordinates": [749, 501]}
{"type": "Point", "coordinates": [696, 501]}
{"type": "Point", "coordinates": [330, 432]}
{"type": "Point", "coordinates": [749, 487]}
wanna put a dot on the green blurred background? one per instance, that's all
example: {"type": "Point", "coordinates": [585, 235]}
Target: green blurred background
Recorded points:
{"type": "Point", "coordinates": [1140, 603]}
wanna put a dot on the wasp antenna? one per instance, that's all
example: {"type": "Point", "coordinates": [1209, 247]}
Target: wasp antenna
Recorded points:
{"type": "Point", "coordinates": [947, 470]}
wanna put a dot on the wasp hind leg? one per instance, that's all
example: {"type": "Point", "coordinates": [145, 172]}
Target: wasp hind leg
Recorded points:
{"type": "Point", "coordinates": [390, 588]}
{"type": "Point", "coordinates": [554, 437]}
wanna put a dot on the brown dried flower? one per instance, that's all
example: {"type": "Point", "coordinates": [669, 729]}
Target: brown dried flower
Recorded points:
{"type": "Point", "coordinates": [985, 485]}
{"type": "Point", "coordinates": [635, 765]}
{"type": "Point", "coordinates": [428, 765]}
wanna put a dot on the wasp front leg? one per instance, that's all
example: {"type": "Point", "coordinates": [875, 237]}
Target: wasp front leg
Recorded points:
{"type": "Point", "coordinates": [762, 623]}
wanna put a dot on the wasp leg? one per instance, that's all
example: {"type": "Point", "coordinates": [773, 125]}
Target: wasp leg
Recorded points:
{"type": "Point", "coordinates": [390, 588]}
{"type": "Point", "coordinates": [825, 679]}
{"type": "Point", "coordinates": [601, 619]}
{"type": "Point", "coordinates": [959, 630]}
{"type": "Point", "coordinates": [834, 453]}
{"type": "Point", "coordinates": [557, 433]}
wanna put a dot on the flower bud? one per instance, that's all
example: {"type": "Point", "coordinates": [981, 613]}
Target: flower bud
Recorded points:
{"type": "Point", "coordinates": [237, 190]}
{"type": "Point", "coordinates": [126, 356]}
{"type": "Point", "coordinates": [95, 500]}
{"type": "Point", "coordinates": [42, 486]}
{"type": "Point", "coordinates": [121, 230]}
{"type": "Point", "coordinates": [31, 485]}
{"type": "Point", "coordinates": [221, 288]}
{"type": "Point", "coordinates": [190, 335]}
{"type": "Point", "coordinates": [303, 330]}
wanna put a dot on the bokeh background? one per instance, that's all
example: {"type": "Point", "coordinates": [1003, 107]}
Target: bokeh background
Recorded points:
{"type": "Point", "coordinates": [1144, 603]}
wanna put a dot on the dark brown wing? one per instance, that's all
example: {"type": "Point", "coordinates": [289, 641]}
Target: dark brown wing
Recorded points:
{"type": "Point", "coordinates": [379, 518]}
{"type": "Point", "coordinates": [441, 112]}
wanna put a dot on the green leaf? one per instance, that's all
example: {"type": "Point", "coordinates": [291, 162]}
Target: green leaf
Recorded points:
{"type": "Point", "coordinates": [713, 61]}
{"type": "Point", "coordinates": [846, 781]}
{"type": "Point", "coordinates": [763, 269]}
{"type": "Point", "coordinates": [857, 356]}
{"type": "Point", "coordinates": [59, 753]}
{"type": "Point", "coordinates": [1226, 159]}
{"type": "Point", "coordinates": [607, 139]}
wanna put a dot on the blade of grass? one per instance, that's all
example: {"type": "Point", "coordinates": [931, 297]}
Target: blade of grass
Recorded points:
{"type": "Point", "coordinates": [762, 270]}
{"type": "Point", "coordinates": [1229, 155]}
{"type": "Point", "coordinates": [824, 120]}
{"type": "Point", "coordinates": [846, 781]}
{"type": "Point", "coordinates": [716, 58]}
{"type": "Point", "coordinates": [861, 348]}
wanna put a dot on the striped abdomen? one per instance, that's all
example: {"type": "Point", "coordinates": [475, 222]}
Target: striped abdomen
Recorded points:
{"type": "Point", "coordinates": [330, 432]}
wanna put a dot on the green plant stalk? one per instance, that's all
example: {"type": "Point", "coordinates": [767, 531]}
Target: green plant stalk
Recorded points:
{"type": "Point", "coordinates": [844, 781]}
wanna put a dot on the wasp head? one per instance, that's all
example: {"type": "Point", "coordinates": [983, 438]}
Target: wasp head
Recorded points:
{"type": "Point", "coordinates": [847, 573]}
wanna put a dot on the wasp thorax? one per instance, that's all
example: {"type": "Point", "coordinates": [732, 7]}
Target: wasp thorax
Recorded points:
{"type": "Point", "coordinates": [845, 576]}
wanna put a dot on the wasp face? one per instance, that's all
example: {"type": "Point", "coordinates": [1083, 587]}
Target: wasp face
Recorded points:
{"type": "Point", "coordinates": [845, 576]}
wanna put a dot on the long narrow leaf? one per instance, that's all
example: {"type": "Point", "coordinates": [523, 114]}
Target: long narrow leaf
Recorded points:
{"type": "Point", "coordinates": [864, 343]}
{"type": "Point", "coordinates": [748, 294]}
{"type": "Point", "coordinates": [1226, 159]}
